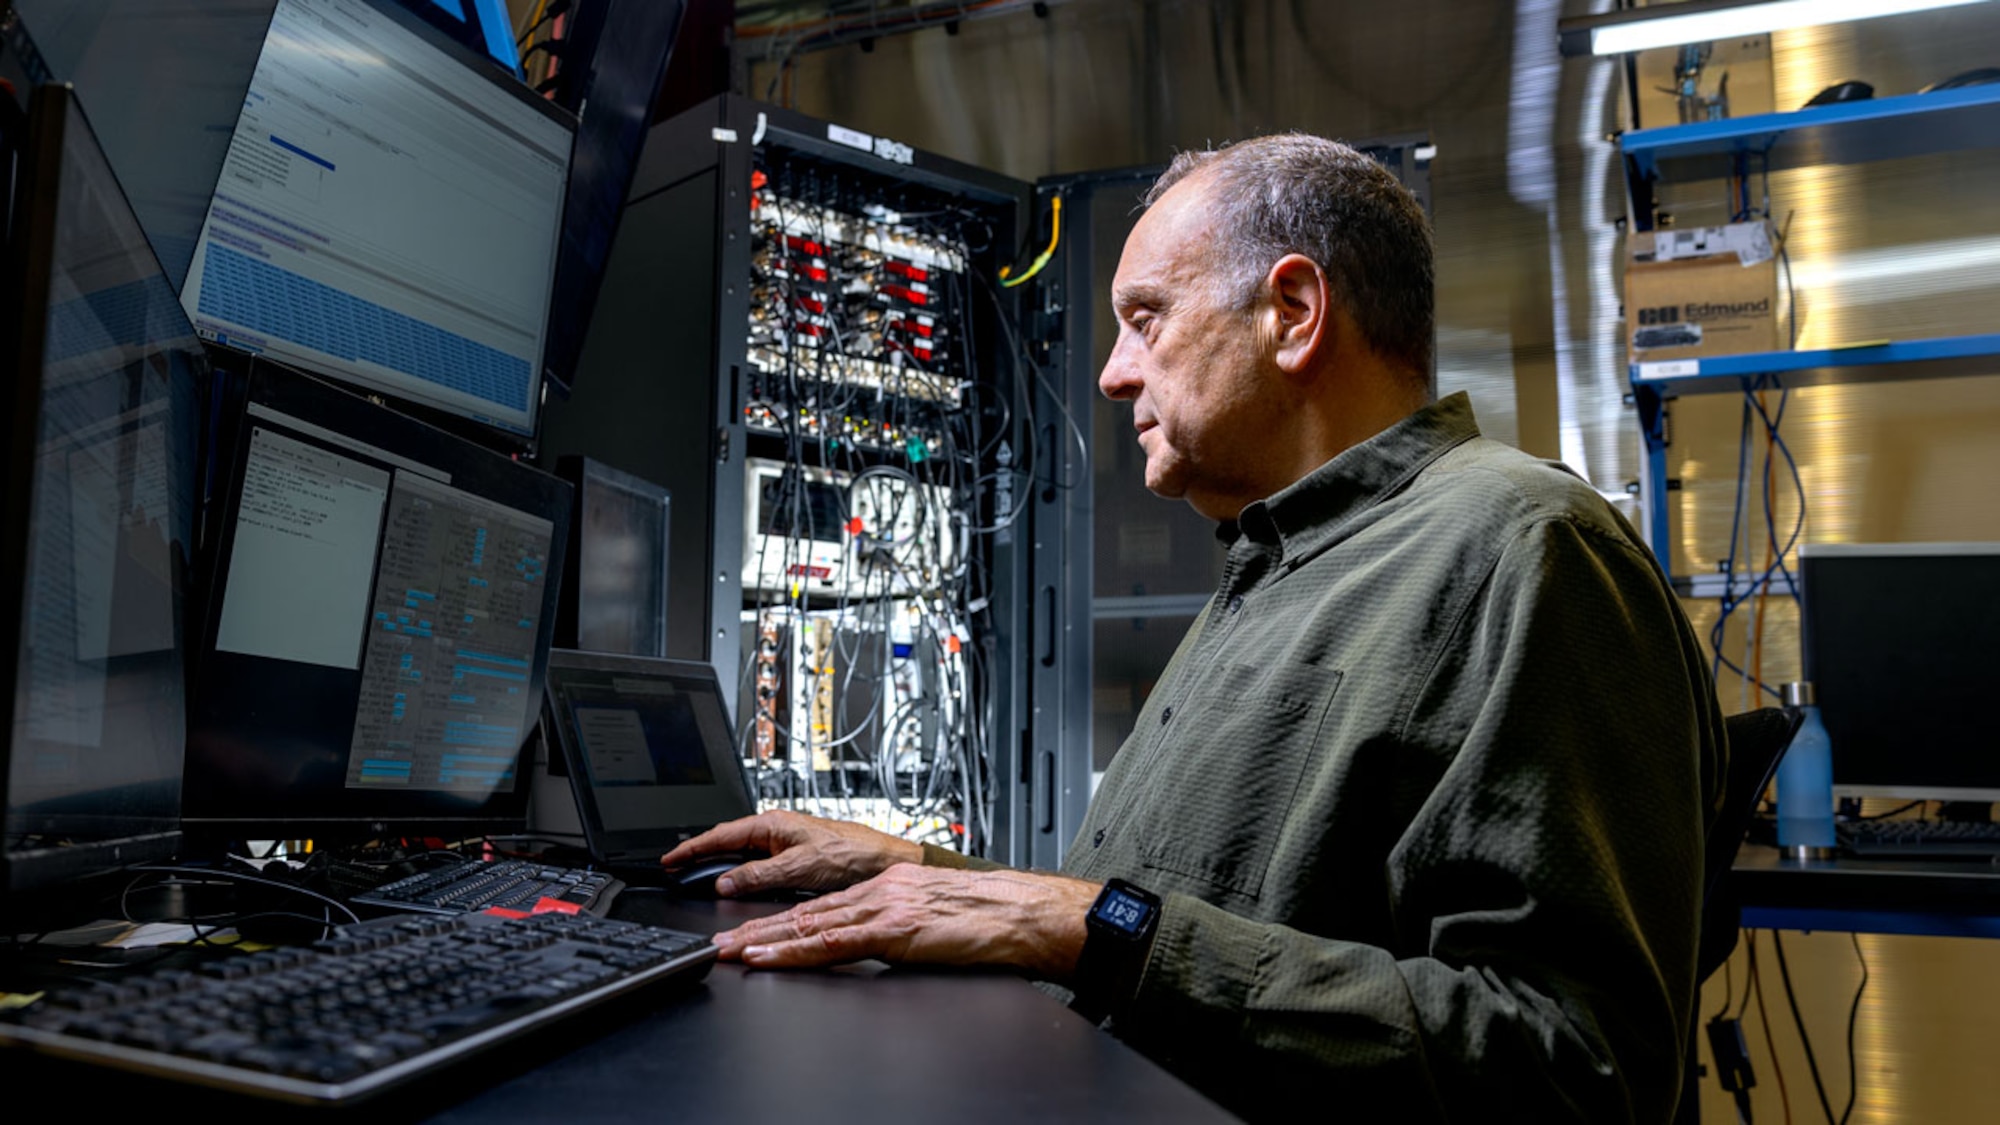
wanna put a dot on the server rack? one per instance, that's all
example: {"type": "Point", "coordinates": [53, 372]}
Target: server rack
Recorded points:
{"type": "Point", "coordinates": [668, 369]}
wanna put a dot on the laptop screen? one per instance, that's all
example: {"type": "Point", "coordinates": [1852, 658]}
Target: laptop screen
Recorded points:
{"type": "Point", "coordinates": [648, 747]}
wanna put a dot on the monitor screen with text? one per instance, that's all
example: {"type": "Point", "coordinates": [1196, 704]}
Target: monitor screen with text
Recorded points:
{"type": "Point", "coordinates": [388, 215]}
{"type": "Point", "coordinates": [380, 617]}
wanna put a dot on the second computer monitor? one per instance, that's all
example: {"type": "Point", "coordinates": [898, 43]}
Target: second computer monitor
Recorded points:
{"type": "Point", "coordinates": [380, 615]}
{"type": "Point", "coordinates": [615, 590]}
{"type": "Point", "coordinates": [1902, 643]}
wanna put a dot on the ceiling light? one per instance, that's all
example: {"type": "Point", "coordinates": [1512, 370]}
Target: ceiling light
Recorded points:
{"type": "Point", "coordinates": [1702, 21]}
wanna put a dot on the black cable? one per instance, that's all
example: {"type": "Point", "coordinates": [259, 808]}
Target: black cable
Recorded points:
{"type": "Point", "coordinates": [1853, 1013]}
{"type": "Point", "coordinates": [1749, 972]}
{"type": "Point", "coordinates": [1728, 985]}
{"type": "Point", "coordinates": [555, 8]}
{"type": "Point", "coordinates": [1897, 811]}
{"type": "Point", "coordinates": [241, 877]}
{"type": "Point", "coordinates": [557, 49]}
{"type": "Point", "coordinates": [1727, 604]}
{"type": "Point", "coordinates": [1805, 1040]}
{"type": "Point", "coordinates": [1771, 424]}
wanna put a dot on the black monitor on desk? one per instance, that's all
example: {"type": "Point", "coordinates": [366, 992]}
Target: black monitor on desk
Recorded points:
{"type": "Point", "coordinates": [97, 484]}
{"type": "Point", "coordinates": [380, 606]}
{"type": "Point", "coordinates": [1902, 645]}
{"type": "Point", "coordinates": [615, 592]}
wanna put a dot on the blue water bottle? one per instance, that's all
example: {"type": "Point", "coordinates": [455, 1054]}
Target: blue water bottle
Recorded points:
{"type": "Point", "coordinates": [1805, 781]}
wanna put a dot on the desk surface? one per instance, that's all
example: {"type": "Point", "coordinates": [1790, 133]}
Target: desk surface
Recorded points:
{"type": "Point", "coordinates": [1952, 898]}
{"type": "Point", "coordinates": [864, 1044]}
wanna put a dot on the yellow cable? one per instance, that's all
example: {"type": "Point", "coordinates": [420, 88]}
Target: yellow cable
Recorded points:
{"type": "Point", "coordinates": [1042, 259]}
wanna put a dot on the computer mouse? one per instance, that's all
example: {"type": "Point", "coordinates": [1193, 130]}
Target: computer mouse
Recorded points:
{"type": "Point", "coordinates": [1849, 91]}
{"type": "Point", "coordinates": [697, 879]}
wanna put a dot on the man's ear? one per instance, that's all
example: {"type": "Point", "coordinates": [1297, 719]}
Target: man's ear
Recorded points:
{"type": "Point", "coordinates": [1299, 312]}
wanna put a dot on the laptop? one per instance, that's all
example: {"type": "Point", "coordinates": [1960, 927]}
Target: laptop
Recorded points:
{"type": "Point", "coordinates": [649, 750]}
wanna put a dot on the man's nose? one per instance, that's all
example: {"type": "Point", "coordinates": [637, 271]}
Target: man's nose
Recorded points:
{"type": "Point", "coordinates": [1120, 378]}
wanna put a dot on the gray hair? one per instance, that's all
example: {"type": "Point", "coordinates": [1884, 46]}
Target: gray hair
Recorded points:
{"type": "Point", "coordinates": [1293, 193]}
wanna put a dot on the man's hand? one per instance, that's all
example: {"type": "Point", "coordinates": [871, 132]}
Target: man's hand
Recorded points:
{"type": "Point", "coordinates": [807, 853]}
{"type": "Point", "coordinates": [928, 915]}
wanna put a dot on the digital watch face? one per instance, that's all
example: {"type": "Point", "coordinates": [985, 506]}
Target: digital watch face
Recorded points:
{"type": "Point", "coordinates": [1124, 911]}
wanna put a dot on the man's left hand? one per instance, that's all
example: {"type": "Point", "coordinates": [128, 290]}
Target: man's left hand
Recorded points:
{"type": "Point", "coordinates": [928, 915]}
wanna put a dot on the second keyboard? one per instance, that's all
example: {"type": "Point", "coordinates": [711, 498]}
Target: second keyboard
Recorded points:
{"type": "Point", "coordinates": [513, 884]}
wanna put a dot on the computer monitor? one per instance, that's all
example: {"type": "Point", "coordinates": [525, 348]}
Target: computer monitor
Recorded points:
{"type": "Point", "coordinates": [97, 499]}
{"type": "Point", "coordinates": [615, 591]}
{"type": "Point", "coordinates": [381, 605]}
{"type": "Point", "coordinates": [1902, 642]}
{"type": "Point", "coordinates": [388, 215]}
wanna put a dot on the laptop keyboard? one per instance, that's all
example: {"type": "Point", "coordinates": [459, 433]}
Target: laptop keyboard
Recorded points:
{"type": "Point", "coordinates": [510, 884]}
{"type": "Point", "coordinates": [373, 1005]}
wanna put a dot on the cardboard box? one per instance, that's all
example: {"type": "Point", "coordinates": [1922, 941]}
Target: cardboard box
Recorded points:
{"type": "Point", "coordinates": [1711, 291]}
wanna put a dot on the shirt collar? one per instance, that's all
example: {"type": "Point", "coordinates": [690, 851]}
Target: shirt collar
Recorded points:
{"type": "Point", "coordinates": [1310, 511]}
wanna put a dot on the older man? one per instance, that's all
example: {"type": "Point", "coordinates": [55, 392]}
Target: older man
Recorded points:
{"type": "Point", "coordinates": [1413, 821]}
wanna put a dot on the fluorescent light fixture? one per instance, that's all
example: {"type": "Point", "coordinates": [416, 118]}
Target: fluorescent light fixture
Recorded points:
{"type": "Point", "coordinates": [1702, 21]}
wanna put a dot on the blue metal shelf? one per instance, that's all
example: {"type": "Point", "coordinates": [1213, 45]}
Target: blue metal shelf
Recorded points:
{"type": "Point", "coordinates": [1943, 357]}
{"type": "Point", "coordinates": [1843, 133]}
{"type": "Point", "coordinates": [1656, 382]}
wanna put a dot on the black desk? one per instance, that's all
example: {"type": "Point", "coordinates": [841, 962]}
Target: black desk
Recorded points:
{"type": "Point", "coordinates": [863, 1044]}
{"type": "Point", "coordinates": [1947, 898]}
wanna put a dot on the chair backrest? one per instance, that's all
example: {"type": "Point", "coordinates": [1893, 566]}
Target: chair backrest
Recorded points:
{"type": "Point", "coordinates": [1757, 740]}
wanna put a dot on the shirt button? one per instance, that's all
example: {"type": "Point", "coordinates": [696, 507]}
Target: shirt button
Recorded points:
{"type": "Point", "coordinates": [1235, 602]}
{"type": "Point", "coordinates": [1097, 840]}
{"type": "Point", "coordinates": [1166, 713]}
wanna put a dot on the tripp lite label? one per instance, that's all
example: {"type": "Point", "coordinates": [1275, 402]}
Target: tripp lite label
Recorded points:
{"type": "Point", "coordinates": [852, 138]}
{"type": "Point", "coordinates": [894, 152]}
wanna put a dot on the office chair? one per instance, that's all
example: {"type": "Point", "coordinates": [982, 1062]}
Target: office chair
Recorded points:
{"type": "Point", "coordinates": [1757, 740]}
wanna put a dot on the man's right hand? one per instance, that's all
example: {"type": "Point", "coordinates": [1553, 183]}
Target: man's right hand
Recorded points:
{"type": "Point", "coordinates": [805, 853]}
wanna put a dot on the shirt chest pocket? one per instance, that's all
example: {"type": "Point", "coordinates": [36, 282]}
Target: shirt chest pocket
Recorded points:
{"type": "Point", "coordinates": [1225, 781]}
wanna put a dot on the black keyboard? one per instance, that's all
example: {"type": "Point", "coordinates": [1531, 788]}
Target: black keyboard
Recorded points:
{"type": "Point", "coordinates": [512, 884]}
{"type": "Point", "coordinates": [376, 1004]}
{"type": "Point", "coordinates": [1920, 839]}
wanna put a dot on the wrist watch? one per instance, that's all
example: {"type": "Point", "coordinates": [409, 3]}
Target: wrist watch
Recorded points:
{"type": "Point", "coordinates": [1118, 937]}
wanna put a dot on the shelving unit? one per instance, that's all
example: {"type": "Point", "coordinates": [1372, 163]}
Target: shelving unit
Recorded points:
{"type": "Point", "coordinates": [1843, 133]}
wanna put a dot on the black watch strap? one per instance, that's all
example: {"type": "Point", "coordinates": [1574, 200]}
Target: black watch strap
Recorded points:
{"type": "Point", "coordinates": [1118, 939]}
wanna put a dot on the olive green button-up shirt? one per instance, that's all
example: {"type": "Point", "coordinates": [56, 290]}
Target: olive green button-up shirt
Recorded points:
{"type": "Point", "coordinates": [1424, 791]}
